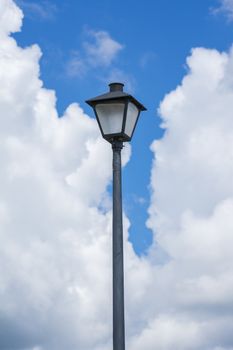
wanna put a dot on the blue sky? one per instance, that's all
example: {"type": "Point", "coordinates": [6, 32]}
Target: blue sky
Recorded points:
{"type": "Point", "coordinates": [55, 175]}
{"type": "Point", "coordinates": [156, 37]}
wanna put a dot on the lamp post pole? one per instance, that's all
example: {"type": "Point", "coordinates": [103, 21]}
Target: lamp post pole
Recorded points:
{"type": "Point", "coordinates": [117, 247]}
{"type": "Point", "coordinates": [117, 114]}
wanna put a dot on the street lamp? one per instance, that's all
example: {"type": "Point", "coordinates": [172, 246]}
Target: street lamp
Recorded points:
{"type": "Point", "coordinates": [117, 114]}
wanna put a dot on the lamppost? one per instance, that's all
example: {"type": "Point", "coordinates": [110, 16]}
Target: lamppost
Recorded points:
{"type": "Point", "coordinates": [117, 114]}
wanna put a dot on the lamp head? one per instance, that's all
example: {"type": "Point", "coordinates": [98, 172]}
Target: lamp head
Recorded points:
{"type": "Point", "coordinates": [117, 113]}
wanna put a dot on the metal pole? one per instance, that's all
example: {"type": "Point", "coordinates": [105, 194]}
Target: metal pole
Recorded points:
{"type": "Point", "coordinates": [118, 261]}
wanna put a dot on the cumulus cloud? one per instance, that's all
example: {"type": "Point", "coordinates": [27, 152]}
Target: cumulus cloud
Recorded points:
{"type": "Point", "coordinates": [191, 209]}
{"type": "Point", "coordinates": [55, 229]}
{"type": "Point", "coordinates": [10, 17]}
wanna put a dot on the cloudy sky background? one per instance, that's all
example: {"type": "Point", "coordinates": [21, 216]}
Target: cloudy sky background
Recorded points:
{"type": "Point", "coordinates": [55, 203]}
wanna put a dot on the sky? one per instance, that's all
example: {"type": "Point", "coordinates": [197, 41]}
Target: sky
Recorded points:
{"type": "Point", "coordinates": [176, 58]}
{"type": "Point", "coordinates": [84, 49]}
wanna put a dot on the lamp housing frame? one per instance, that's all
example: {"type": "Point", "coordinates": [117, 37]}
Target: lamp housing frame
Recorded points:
{"type": "Point", "coordinates": [116, 95]}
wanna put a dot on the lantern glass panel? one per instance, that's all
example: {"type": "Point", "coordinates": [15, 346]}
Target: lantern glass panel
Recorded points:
{"type": "Point", "coordinates": [131, 119]}
{"type": "Point", "coordinates": [110, 117]}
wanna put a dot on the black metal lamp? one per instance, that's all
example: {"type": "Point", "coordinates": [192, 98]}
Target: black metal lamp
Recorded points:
{"type": "Point", "coordinates": [117, 113]}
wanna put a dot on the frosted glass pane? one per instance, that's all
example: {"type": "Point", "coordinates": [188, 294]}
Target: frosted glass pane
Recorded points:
{"type": "Point", "coordinates": [131, 119]}
{"type": "Point", "coordinates": [110, 117]}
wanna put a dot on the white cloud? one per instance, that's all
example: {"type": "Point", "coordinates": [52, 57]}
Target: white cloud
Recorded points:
{"type": "Point", "coordinates": [10, 17]}
{"type": "Point", "coordinates": [191, 209]}
{"type": "Point", "coordinates": [76, 66]}
{"type": "Point", "coordinates": [225, 7]}
{"type": "Point", "coordinates": [99, 50]}
{"type": "Point", "coordinates": [45, 10]}
{"type": "Point", "coordinates": [98, 54]}
{"type": "Point", "coordinates": [55, 242]}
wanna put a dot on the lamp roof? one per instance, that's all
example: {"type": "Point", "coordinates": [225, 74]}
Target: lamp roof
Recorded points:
{"type": "Point", "coordinates": [116, 92]}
